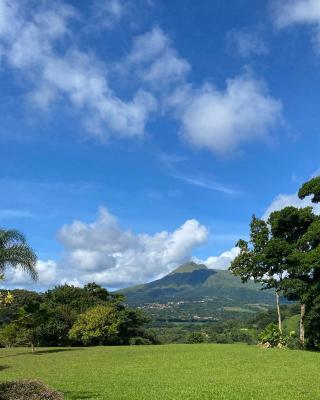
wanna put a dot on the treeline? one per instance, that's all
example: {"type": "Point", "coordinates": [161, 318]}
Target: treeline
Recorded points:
{"type": "Point", "coordinates": [71, 316]}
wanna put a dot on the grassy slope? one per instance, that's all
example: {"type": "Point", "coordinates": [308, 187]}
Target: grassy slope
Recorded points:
{"type": "Point", "coordinates": [170, 372]}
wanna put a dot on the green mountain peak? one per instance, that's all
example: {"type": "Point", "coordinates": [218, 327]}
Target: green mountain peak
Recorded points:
{"type": "Point", "coordinates": [188, 267]}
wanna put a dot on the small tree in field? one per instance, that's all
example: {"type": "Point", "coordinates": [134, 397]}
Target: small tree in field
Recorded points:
{"type": "Point", "coordinates": [29, 324]}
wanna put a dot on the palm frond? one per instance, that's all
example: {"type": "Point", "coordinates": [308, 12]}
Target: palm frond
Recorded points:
{"type": "Point", "coordinates": [15, 253]}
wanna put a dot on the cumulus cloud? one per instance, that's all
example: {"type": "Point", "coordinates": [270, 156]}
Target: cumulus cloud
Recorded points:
{"type": "Point", "coordinates": [30, 38]}
{"type": "Point", "coordinates": [286, 200]}
{"type": "Point", "coordinates": [222, 261]}
{"type": "Point", "coordinates": [247, 43]}
{"type": "Point", "coordinates": [104, 252]}
{"type": "Point", "coordinates": [223, 120]}
{"type": "Point", "coordinates": [298, 12]}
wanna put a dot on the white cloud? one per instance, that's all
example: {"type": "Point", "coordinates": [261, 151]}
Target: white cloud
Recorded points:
{"type": "Point", "coordinates": [247, 43]}
{"type": "Point", "coordinates": [42, 45]}
{"type": "Point", "coordinates": [155, 61]}
{"type": "Point", "coordinates": [29, 41]}
{"type": "Point", "coordinates": [109, 12]}
{"type": "Point", "coordinates": [222, 261]}
{"type": "Point", "coordinates": [298, 12]}
{"type": "Point", "coordinates": [286, 200]}
{"type": "Point", "coordinates": [222, 121]}
{"type": "Point", "coordinates": [290, 12]}
{"type": "Point", "coordinates": [47, 274]}
{"type": "Point", "coordinates": [102, 251]}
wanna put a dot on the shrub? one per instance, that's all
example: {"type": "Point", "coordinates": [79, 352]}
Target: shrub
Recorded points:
{"type": "Point", "coordinates": [135, 341]}
{"type": "Point", "coordinates": [196, 337]}
{"type": "Point", "coordinates": [271, 335]}
{"type": "Point", "coordinates": [28, 390]}
{"type": "Point", "coordinates": [8, 335]}
{"type": "Point", "coordinates": [293, 342]}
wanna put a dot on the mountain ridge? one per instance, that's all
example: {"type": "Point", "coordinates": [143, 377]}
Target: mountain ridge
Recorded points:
{"type": "Point", "coordinates": [193, 283]}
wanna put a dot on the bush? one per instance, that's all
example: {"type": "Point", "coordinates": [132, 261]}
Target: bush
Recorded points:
{"type": "Point", "coordinates": [196, 337]}
{"type": "Point", "coordinates": [293, 342]}
{"type": "Point", "coordinates": [8, 336]}
{"type": "Point", "coordinates": [271, 335]}
{"type": "Point", "coordinates": [28, 390]}
{"type": "Point", "coordinates": [135, 341]}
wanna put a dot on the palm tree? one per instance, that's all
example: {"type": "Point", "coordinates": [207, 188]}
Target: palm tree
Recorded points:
{"type": "Point", "coordinates": [16, 253]}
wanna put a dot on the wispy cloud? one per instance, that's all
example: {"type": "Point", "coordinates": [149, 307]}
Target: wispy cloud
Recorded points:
{"type": "Point", "coordinates": [15, 214]}
{"type": "Point", "coordinates": [172, 164]}
{"type": "Point", "coordinates": [196, 181]}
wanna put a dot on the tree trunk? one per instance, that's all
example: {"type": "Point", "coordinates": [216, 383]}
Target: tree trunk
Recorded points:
{"type": "Point", "coordinates": [32, 348]}
{"type": "Point", "coordinates": [279, 313]}
{"type": "Point", "coordinates": [302, 319]}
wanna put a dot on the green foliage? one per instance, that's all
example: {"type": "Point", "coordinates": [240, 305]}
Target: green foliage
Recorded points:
{"type": "Point", "coordinates": [138, 341]}
{"type": "Point", "coordinates": [107, 325]}
{"type": "Point", "coordinates": [197, 337]}
{"type": "Point", "coordinates": [271, 335]}
{"type": "Point", "coordinates": [293, 342]}
{"type": "Point", "coordinates": [9, 335]}
{"type": "Point", "coordinates": [65, 303]}
{"type": "Point", "coordinates": [29, 324]}
{"type": "Point", "coordinates": [15, 253]}
{"type": "Point", "coordinates": [97, 326]}
{"type": "Point", "coordinates": [20, 298]}
{"type": "Point", "coordinates": [28, 390]}
{"type": "Point", "coordinates": [284, 253]}
{"type": "Point", "coordinates": [311, 188]}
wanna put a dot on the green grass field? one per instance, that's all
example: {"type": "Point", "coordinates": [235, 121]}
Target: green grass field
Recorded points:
{"type": "Point", "coordinates": [205, 371]}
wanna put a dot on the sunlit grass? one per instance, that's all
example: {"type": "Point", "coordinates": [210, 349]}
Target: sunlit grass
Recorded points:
{"type": "Point", "coordinates": [194, 372]}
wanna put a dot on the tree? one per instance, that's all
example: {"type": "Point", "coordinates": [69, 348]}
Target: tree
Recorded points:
{"type": "Point", "coordinates": [16, 253]}
{"type": "Point", "coordinates": [311, 188]}
{"type": "Point", "coordinates": [284, 253]}
{"type": "Point", "coordinates": [65, 303]}
{"type": "Point", "coordinates": [110, 325]}
{"type": "Point", "coordinates": [290, 226]}
{"type": "Point", "coordinates": [29, 324]}
{"type": "Point", "coordinates": [97, 326]}
{"type": "Point", "coordinates": [307, 272]}
{"type": "Point", "coordinates": [262, 259]}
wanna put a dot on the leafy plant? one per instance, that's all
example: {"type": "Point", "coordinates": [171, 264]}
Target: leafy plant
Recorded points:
{"type": "Point", "coordinates": [271, 335]}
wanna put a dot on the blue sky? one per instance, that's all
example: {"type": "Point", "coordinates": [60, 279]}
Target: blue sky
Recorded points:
{"type": "Point", "coordinates": [136, 135]}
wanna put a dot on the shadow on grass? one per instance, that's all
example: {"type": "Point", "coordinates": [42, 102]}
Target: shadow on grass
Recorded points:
{"type": "Point", "coordinates": [50, 351]}
{"type": "Point", "coordinates": [2, 367]}
{"type": "Point", "coordinates": [41, 352]}
{"type": "Point", "coordinates": [81, 395]}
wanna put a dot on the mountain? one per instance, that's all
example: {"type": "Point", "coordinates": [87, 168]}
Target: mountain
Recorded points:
{"type": "Point", "coordinates": [192, 290]}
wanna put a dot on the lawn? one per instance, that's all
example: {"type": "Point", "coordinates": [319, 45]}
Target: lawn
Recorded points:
{"type": "Point", "coordinates": [192, 372]}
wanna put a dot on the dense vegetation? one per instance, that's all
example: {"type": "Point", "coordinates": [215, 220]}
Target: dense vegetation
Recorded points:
{"type": "Point", "coordinates": [247, 329]}
{"type": "Point", "coordinates": [200, 371]}
{"type": "Point", "coordinates": [68, 315]}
